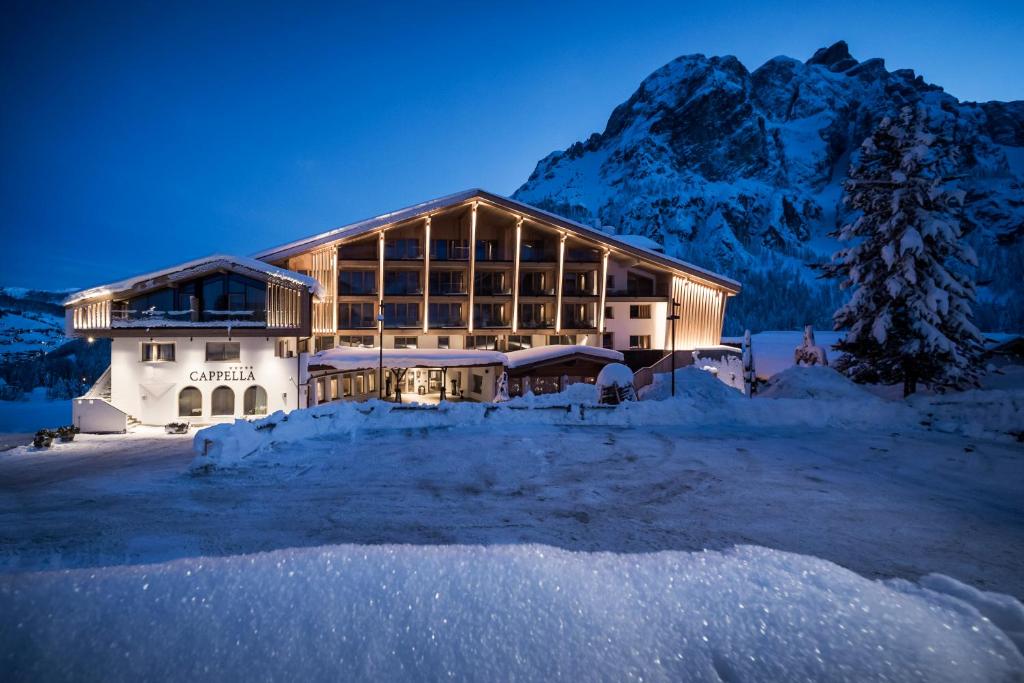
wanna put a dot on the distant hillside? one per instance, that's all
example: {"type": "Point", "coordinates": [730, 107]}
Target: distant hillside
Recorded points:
{"type": "Point", "coordinates": [34, 351]}
{"type": "Point", "coordinates": [741, 171]}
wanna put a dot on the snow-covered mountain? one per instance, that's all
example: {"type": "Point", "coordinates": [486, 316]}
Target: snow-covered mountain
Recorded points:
{"type": "Point", "coordinates": [31, 322]}
{"type": "Point", "coordinates": [34, 351]}
{"type": "Point", "coordinates": [741, 171]}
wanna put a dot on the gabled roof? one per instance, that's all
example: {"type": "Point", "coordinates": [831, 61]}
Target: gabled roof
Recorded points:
{"type": "Point", "coordinates": [627, 244]}
{"type": "Point", "coordinates": [194, 268]}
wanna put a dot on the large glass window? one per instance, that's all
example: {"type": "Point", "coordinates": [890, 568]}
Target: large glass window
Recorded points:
{"type": "Point", "coordinates": [401, 282]}
{"type": "Point", "coordinates": [355, 316]}
{"type": "Point", "coordinates": [638, 285]}
{"type": "Point", "coordinates": [531, 250]}
{"type": "Point", "coordinates": [402, 248]}
{"type": "Point", "coordinates": [359, 251]}
{"type": "Point", "coordinates": [446, 315]}
{"type": "Point", "coordinates": [364, 341]}
{"type": "Point", "coordinates": [490, 283]}
{"type": "Point", "coordinates": [449, 250]}
{"type": "Point", "coordinates": [487, 250]}
{"type": "Point", "coordinates": [534, 284]}
{"type": "Point", "coordinates": [534, 315]}
{"type": "Point", "coordinates": [579, 284]}
{"type": "Point", "coordinates": [482, 342]}
{"type": "Point", "coordinates": [401, 315]}
{"type": "Point", "coordinates": [254, 401]}
{"type": "Point", "coordinates": [447, 282]}
{"type": "Point", "coordinates": [357, 282]}
{"type": "Point", "coordinates": [489, 315]}
{"type": "Point", "coordinates": [222, 401]}
{"type": "Point", "coordinates": [518, 342]}
{"type": "Point", "coordinates": [190, 402]}
{"type": "Point", "coordinates": [405, 342]}
{"type": "Point", "coordinates": [223, 351]}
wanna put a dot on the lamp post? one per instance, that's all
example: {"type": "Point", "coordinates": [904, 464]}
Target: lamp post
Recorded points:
{"type": "Point", "coordinates": [380, 366]}
{"type": "Point", "coordinates": [672, 318]}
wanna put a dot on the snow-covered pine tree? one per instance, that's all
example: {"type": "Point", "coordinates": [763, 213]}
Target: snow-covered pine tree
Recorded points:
{"type": "Point", "coordinates": [909, 317]}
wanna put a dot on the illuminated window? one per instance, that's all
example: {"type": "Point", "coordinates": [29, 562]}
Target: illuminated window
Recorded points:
{"type": "Point", "coordinates": [640, 311]}
{"type": "Point", "coordinates": [639, 341]}
{"type": "Point", "coordinates": [223, 351]}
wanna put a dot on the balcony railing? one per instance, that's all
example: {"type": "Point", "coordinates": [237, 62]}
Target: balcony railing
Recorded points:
{"type": "Point", "coordinates": [493, 291]}
{"type": "Point", "coordinates": [578, 324]}
{"type": "Point", "coordinates": [150, 317]}
{"type": "Point", "coordinates": [447, 323]}
{"type": "Point", "coordinates": [448, 290]}
{"type": "Point", "coordinates": [393, 324]}
{"type": "Point", "coordinates": [536, 324]}
{"type": "Point", "coordinates": [536, 291]}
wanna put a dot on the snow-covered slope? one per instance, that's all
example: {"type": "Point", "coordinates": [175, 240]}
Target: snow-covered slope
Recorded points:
{"type": "Point", "coordinates": [741, 172]}
{"type": "Point", "coordinates": [31, 322]}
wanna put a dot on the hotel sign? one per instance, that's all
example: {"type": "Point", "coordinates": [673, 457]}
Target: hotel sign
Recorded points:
{"type": "Point", "coordinates": [238, 373]}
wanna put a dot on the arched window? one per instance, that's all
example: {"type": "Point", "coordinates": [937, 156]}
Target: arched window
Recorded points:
{"type": "Point", "coordinates": [190, 402]}
{"type": "Point", "coordinates": [223, 402]}
{"type": "Point", "coordinates": [254, 401]}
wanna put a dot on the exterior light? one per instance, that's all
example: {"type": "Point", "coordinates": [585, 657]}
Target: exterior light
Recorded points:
{"type": "Point", "coordinates": [91, 340]}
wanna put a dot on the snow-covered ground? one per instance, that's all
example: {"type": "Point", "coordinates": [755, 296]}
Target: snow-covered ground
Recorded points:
{"type": "Point", "coordinates": [891, 490]}
{"type": "Point", "coordinates": [502, 613]}
{"type": "Point", "coordinates": [34, 413]}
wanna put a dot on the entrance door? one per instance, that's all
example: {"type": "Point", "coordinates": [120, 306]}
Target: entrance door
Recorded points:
{"type": "Point", "coordinates": [434, 381]}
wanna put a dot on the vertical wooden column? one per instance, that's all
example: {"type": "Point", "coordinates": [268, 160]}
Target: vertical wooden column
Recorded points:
{"type": "Point", "coordinates": [603, 284]}
{"type": "Point", "coordinates": [515, 274]}
{"type": "Point", "coordinates": [472, 266]}
{"type": "Point", "coordinates": [333, 290]}
{"type": "Point", "coordinates": [426, 275]}
{"type": "Point", "coordinates": [380, 280]}
{"type": "Point", "coordinates": [561, 272]}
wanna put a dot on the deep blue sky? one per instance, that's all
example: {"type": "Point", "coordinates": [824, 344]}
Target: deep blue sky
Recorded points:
{"type": "Point", "coordinates": [134, 135]}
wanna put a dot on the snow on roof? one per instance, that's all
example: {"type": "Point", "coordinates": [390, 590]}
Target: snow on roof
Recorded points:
{"type": "Point", "coordinates": [195, 267]}
{"type": "Point", "coordinates": [641, 242]}
{"type": "Point", "coordinates": [537, 354]}
{"type": "Point", "coordinates": [349, 358]}
{"type": "Point", "coordinates": [625, 241]}
{"type": "Point", "coordinates": [368, 224]}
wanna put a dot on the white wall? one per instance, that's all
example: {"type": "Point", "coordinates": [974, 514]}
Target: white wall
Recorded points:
{"type": "Point", "coordinates": [149, 391]}
{"type": "Point", "coordinates": [622, 326]}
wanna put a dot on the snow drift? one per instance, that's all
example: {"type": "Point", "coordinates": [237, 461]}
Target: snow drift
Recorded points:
{"type": "Point", "coordinates": [813, 397]}
{"type": "Point", "coordinates": [498, 613]}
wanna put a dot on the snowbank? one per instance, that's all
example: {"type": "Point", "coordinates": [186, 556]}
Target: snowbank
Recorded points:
{"type": "Point", "coordinates": [815, 382]}
{"type": "Point", "coordinates": [496, 613]}
{"type": "Point", "coordinates": [691, 382]}
{"type": "Point", "coordinates": [814, 398]}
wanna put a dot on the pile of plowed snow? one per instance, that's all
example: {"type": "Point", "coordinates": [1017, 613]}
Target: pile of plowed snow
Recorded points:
{"type": "Point", "coordinates": [815, 382]}
{"type": "Point", "coordinates": [691, 382]}
{"type": "Point", "coordinates": [501, 613]}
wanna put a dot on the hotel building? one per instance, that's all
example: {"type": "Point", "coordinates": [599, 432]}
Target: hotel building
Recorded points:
{"type": "Point", "coordinates": [467, 295]}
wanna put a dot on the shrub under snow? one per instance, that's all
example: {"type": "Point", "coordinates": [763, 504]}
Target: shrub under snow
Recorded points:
{"type": "Point", "coordinates": [501, 613]}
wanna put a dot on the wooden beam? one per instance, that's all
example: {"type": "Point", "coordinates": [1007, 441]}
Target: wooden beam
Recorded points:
{"type": "Point", "coordinates": [472, 265]}
{"type": "Point", "coordinates": [558, 284]}
{"type": "Point", "coordinates": [380, 281]}
{"type": "Point", "coordinates": [603, 291]}
{"type": "Point", "coordinates": [426, 275]}
{"type": "Point", "coordinates": [515, 274]}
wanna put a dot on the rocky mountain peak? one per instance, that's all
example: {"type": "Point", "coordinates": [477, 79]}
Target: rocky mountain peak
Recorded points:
{"type": "Point", "coordinates": [836, 57]}
{"type": "Point", "coordinates": [742, 172]}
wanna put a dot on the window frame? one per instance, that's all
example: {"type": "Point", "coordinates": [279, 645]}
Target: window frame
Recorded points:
{"type": "Point", "coordinates": [213, 401]}
{"type": "Point", "coordinates": [224, 346]}
{"type": "Point", "coordinates": [255, 390]}
{"type": "Point", "coordinates": [199, 392]}
{"type": "Point", "coordinates": [158, 349]}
